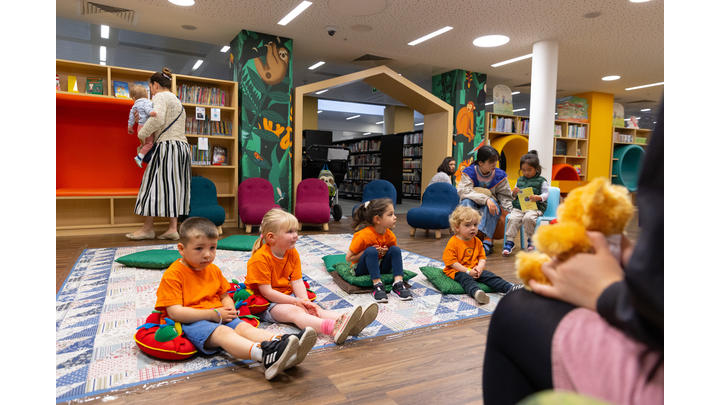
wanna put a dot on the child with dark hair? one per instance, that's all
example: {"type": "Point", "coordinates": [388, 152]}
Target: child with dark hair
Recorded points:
{"type": "Point", "coordinates": [445, 171]}
{"type": "Point", "coordinates": [485, 188]}
{"type": "Point", "coordinates": [530, 169]}
{"type": "Point", "coordinates": [374, 249]}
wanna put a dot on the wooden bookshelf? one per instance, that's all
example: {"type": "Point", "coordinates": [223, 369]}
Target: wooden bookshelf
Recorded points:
{"type": "Point", "coordinates": [97, 182]}
{"type": "Point", "coordinates": [412, 165]}
{"type": "Point", "coordinates": [626, 136]}
{"type": "Point", "coordinates": [574, 138]}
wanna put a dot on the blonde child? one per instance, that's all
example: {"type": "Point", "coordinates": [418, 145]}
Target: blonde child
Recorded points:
{"type": "Point", "coordinates": [274, 272]}
{"type": "Point", "coordinates": [530, 168]}
{"type": "Point", "coordinates": [192, 291]}
{"type": "Point", "coordinates": [374, 249]}
{"type": "Point", "coordinates": [140, 111]}
{"type": "Point", "coordinates": [464, 257]}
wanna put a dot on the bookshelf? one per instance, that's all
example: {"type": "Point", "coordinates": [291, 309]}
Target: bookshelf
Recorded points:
{"type": "Point", "coordinates": [96, 180]}
{"type": "Point", "coordinates": [570, 146]}
{"type": "Point", "coordinates": [412, 165]}
{"type": "Point", "coordinates": [627, 152]}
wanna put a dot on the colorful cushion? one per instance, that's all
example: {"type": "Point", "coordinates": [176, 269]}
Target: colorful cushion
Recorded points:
{"type": "Point", "coordinates": [237, 242]}
{"type": "Point", "coordinates": [344, 270]}
{"type": "Point", "coordinates": [331, 260]}
{"type": "Point", "coordinates": [253, 304]}
{"type": "Point", "coordinates": [163, 340]}
{"type": "Point", "coordinates": [150, 259]}
{"type": "Point", "coordinates": [445, 284]}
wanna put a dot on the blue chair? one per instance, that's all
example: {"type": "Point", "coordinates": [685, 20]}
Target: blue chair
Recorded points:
{"type": "Point", "coordinates": [438, 202]}
{"type": "Point", "coordinates": [378, 189]}
{"type": "Point", "coordinates": [550, 213]}
{"type": "Point", "coordinates": [203, 201]}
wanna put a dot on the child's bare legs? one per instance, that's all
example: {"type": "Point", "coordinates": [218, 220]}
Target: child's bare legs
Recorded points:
{"type": "Point", "coordinates": [250, 332]}
{"type": "Point", "coordinates": [231, 341]}
{"type": "Point", "coordinates": [288, 313]}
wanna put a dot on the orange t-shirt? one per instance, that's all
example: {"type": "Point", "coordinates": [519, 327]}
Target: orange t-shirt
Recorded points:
{"type": "Point", "coordinates": [468, 253]}
{"type": "Point", "coordinates": [181, 285]}
{"type": "Point", "coordinates": [368, 236]}
{"type": "Point", "coordinates": [264, 268]}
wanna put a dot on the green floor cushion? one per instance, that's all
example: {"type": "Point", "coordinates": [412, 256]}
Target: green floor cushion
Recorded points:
{"type": "Point", "coordinates": [344, 270]}
{"type": "Point", "coordinates": [347, 287]}
{"type": "Point", "coordinates": [445, 284]}
{"type": "Point", "coordinates": [150, 259]}
{"type": "Point", "coordinates": [331, 260]}
{"type": "Point", "coordinates": [237, 242]}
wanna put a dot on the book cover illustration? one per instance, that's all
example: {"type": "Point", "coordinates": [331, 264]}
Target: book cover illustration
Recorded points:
{"type": "Point", "coordinates": [502, 100]}
{"type": "Point", "coordinates": [94, 85]}
{"type": "Point", "coordinates": [147, 87]}
{"type": "Point", "coordinates": [572, 109]}
{"type": "Point", "coordinates": [219, 155]}
{"type": "Point", "coordinates": [121, 89]}
{"type": "Point", "coordinates": [526, 204]}
{"type": "Point", "coordinates": [72, 84]}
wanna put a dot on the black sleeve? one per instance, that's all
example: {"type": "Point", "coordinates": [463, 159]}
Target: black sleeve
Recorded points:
{"type": "Point", "coordinates": [635, 305]}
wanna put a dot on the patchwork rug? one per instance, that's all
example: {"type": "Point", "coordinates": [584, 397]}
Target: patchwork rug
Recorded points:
{"type": "Point", "coordinates": [102, 302]}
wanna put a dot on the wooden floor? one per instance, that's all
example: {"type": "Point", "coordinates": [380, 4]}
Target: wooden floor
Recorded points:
{"type": "Point", "coordinates": [423, 365]}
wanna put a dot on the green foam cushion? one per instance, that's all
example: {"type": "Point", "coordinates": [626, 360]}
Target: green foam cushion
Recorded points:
{"type": "Point", "coordinates": [331, 260]}
{"type": "Point", "coordinates": [445, 284]}
{"type": "Point", "coordinates": [345, 271]}
{"type": "Point", "coordinates": [150, 259]}
{"type": "Point", "coordinates": [237, 242]}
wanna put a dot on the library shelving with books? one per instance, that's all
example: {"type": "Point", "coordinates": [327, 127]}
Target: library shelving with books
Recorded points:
{"type": "Point", "coordinates": [627, 153]}
{"type": "Point", "coordinates": [412, 164]}
{"type": "Point", "coordinates": [96, 180]}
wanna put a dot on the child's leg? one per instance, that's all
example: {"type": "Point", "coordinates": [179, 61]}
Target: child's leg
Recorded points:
{"type": "Point", "coordinates": [468, 283]}
{"type": "Point", "coordinates": [368, 264]}
{"type": "Point", "coordinates": [392, 262]}
{"type": "Point", "coordinates": [495, 282]}
{"type": "Point", "coordinates": [252, 333]}
{"type": "Point", "coordinates": [289, 313]}
{"type": "Point", "coordinates": [529, 221]}
{"type": "Point", "coordinates": [146, 146]}
{"type": "Point", "coordinates": [513, 225]}
{"type": "Point", "coordinates": [236, 345]}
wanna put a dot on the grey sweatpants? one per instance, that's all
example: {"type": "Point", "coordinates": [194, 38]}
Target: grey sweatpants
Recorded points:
{"type": "Point", "coordinates": [528, 220]}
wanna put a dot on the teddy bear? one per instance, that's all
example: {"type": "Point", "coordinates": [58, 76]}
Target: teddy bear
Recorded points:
{"type": "Point", "coordinates": [597, 206]}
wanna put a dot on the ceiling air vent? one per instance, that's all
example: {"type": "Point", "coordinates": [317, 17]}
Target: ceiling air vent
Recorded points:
{"type": "Point", "coordinates": [91, 8]}
{"type": "Point", "coordinates": [370, 57]}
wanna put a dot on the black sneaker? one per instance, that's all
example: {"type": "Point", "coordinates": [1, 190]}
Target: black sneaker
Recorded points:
{"type": "Point", "coordinates": [379, 293]}
{"type": "Point", "coordinates": [276, 354]}
{"type": "Point", "coordinates": [306, 341]}
{"type": "Point", "coordinates": [515, 287]}
{"type": "Point", "coordinates": [488, 246]}
{"type": "Point", "coordinates": [401, 291]}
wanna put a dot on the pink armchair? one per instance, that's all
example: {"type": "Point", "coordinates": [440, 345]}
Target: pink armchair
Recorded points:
{"type": "Point", "coordinates": [312, 204]}
{"type": "Point", "coordinates": [255, 198]}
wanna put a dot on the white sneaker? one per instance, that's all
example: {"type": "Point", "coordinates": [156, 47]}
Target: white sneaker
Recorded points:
{"type": "Point", "coordinates": [345, 324]}
{"type": "Point", "coordinates": [369, 314]}
{"type": "Point", "coordinates": [481, 297]}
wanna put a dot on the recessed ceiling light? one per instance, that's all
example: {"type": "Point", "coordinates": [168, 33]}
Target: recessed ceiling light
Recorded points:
{"type": "Point", "coordinates": [319, 111]}
{"type": "Point", "coordinates": [610, 78]}
{"type": "Point", "coordinates": [225, 48]}
{"type": "Point", "coordinates": [379, 122]}
{"type": "Point", "coordinates": [184, 3]}
{"type": "Point", "coordinates": [103, 53]}
{"type": "Point", "coordinates": [489, 41]}
{"type": "Point", "coordinates": [367, 133]}
{"type": "Point", "coordinates": [352, 117]}
{"type": "Point", "coordinates": [321, 91]}
{"type": "Point", "coordinates": [197, 64]}
{"type": "Point", "coordinates": [639, 1]}
{"type": "Point", "coordinates": [490, 103]}
{"type": "Point", "coordinates": [519, 109]}
{"type": "Point", "coordinates": [645, 109]}
{"type": "Point", "coordinates": [295, 12]}
{"type": "Point", "coordinates": [430, 35]}
{"type": "Point", "coordinates": [592, 14]}
{"type": "Point", "coordinates": [105, 31]}
{"type": "Point", "coordinates": [419, 123]}
{"type": "Point", "coordinates": [189, 27]}
{"type": "Point", "coordinates": [515, 92]}
{"type": "Point", "coordinates": [317, 65]}
{"type": "Point", "coordinates": [645, 85]}
{"type": "Point", "coordinates": [505, 62]}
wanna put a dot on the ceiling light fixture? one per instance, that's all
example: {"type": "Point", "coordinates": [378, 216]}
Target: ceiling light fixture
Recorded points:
{"type": "Point", "coordinates": [197, 64]}
{"type": "Point", "coordinates": [430, 35]}
{"type": "Point", "coordinates": [184, 3]}
{"type": "Point", "coordinates": [353, 117]}
{"type": "Point", "coordinates": [319, 111]}
{"type": "Point", "coordinates": [105, 31]}
{"type": "Point", "coordinates": [505, 62]}
{"type": "Point", "coordinates": [295, 12]}
{"type": "Point", "coordinates": [367, 133]}
{"type": "Point", "coordinates": [102, 62]}
{"type": "Point", "coordinates": [514, 93]}
{"type": "Point", "coordinates": [419, 123]}
{"type": "Point", "coordinates": [520, 109]}
{"type": "Point", "coordinates": [103, 53]}
{"type": "Point", "coordinates": [225, 48]}
{"type": "Point", "coordinates": [379, 122]}
{"type": "Point", "coordinates": [645, 85]}
{"type": "Point", "coordinates": [490, 41]}
{"type": "Point", "coordinates": [610, 78]}
{"type": "Point", "coordinates": [317, 65]}
{"type": "Point", "coordinates": [645, 110]}
{"type": "Point", "coordinates": [639, 1]}
{"type": "Point", "coordinates": [490, 103]}
{"type": "Point", "coordinates": [321, 91]}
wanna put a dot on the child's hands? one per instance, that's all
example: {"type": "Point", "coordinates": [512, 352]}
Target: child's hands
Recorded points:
{"type": "Point", "coordinates": [227, 314]}
{"type": "Point", "coordinates": [153, 114]}
{"type": "Point", "coordinates": [536, 198]}
{"type": "Point", "coordinates": [131, 130]}
{"type": "Point", "coordinates": [307, 305]}
{"type": "Point", "coordinates": [474, 273]}
{"type": "Point", "coordinates": [381, 250]}
{"type": "Point", "coordinates": [515, 191]}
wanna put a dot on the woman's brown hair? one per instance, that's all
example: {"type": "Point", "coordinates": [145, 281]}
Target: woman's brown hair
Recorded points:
{"type": "Point", "coordinates": [164, 78]}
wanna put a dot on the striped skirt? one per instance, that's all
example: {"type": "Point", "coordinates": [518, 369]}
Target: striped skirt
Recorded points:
{"type": "Point", "coordinates": [165, 188]}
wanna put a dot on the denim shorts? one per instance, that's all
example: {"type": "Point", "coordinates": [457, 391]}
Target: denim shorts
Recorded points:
{"type": "Point", "coordinates": [265, 315]}
{"type": "Point", "coordinates": [199, 332]}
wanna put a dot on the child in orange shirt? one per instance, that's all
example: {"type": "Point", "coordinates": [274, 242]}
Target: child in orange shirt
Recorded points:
{"type": "Point", "coordinates": [374, 249]}
{"type": "Point", "coordinates": [193, 291]}
{"type": "Point", "coordinates": [274, 272]}
{"type": "Point", "coordinates": [464, 257]}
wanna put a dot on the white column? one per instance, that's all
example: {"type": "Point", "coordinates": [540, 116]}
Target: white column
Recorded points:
{"type": "Point", "coordinates": [543, 88]}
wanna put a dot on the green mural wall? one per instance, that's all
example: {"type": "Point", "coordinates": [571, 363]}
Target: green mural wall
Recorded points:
{"type": "Point", "coordinates": [262, 66]}
{"type": "Point", "coordinates": [465, 91]}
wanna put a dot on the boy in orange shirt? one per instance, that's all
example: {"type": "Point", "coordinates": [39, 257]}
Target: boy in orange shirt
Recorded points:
{"type": "Point", "coordinates": [464, 257]}
{"type": "Point", "coordinates": [193, 291]}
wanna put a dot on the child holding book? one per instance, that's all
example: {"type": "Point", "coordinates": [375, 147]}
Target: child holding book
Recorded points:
{"type": "Point", "coordinates": [140, 112]}
{"type": "Point", "coordinates": [530, 169]}
{"type": "Point", "coordinates": [373, 249]}
{"type": "Point", "coordinates": [193, 291]}
{"type": "Point", "coordinates": [464, 257]}
{"type": "Point", "coordinates": [274, 272]}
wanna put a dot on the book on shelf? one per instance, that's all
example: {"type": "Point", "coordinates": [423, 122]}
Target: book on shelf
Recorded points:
{"type": "Point", "coordinates": [219, 155]}
{"type": "Point", "coordinates": [57, 82]}
{"type": "Point", "coordinates": [560, 147]}
{"type": "Point", "coordinates": [94, 85]}
{"type": "Point", "coordinates": [526, 204]}
{"type": "Point", "coordinates": [189, 93]}
{"type": "Point", "coordinates": [200, 157]}
{"type": "Point", "coordinates": [72, 84]}
{"type": "Point", "coordinates": [121, 89]}
{"type": "Point", "coordinates": [558, 130]}
{"type": "Point", "coordinates": [197, 127]}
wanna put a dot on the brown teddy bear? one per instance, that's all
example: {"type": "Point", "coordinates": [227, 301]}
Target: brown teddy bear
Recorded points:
{"type": "Point", "coordinates": [597, 206]}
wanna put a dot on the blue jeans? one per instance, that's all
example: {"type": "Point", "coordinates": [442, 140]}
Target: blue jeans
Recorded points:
{"type": "Point", "coordinates": [369, 263]}
{"type": "Point", "coordinates": [488, 221]}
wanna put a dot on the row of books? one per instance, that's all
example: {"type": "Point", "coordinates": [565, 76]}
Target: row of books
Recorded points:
{"type": "Point", "coordinates": [373, 159]}
{"type": "Point", "coordinates": [411, 176]}
{"type": "Point", "coordinates": [412, 164]}
{"type": "Point", "coordinates": [618, 137]}
{"type": "Point", "coordinates": [190, 93]}
{"type": "Point", "coordinates": [355, 188]}
{"type": "Point", "coordinates": [362, 173]}
{"type": "Point", "coordinates": [366, 145]}
{"type": "Point", "coordinates": [524, 126]}
{"type": "Point", "coordinates": [218, 156]}
{"type": "Point", "coordinates": [206, 127]}
{"type": "Point", "coordinates": [413, 138]}
{"type": "Point", "coordinates": [412, 150]}
{"type": "Point", "coordinates": [411, 189]}
{"type": "Point", "coordinates": [501, 124]}
{"type": "Point", "coordinates": [577, 131]}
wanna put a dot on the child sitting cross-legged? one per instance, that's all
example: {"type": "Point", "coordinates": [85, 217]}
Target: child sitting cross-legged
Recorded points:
{"type": "Point", "coordinates": [464, 257]}
{"type": "Point", "coordinates": [193, 291]}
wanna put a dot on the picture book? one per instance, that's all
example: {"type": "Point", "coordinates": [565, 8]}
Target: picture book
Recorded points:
{"type": "Point", "coordinates": [526, 204]}
{"type": "Point", "coordinates": [219, 155]}
{"type": "Point", "coordinates": [72, 84]}
{"type": "Point", "coordinates": [146, 85]}
{"type": "Point", "coordinates": [94, 85]}
{"type": "Point", "coordinates": [121, 89]}
{"type": "Point", "coordinates": [57, 82]}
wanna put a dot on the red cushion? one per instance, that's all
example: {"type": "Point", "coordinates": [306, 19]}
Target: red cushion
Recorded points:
{"type": "Point", "coordinates": [179, 348]}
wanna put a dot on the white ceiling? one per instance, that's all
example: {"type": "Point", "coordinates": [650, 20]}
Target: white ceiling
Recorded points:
{"type": "Point", "coordinates": [625, 39]}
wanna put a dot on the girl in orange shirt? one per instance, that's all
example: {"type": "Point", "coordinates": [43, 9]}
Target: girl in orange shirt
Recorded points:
{"type": "Point", "coordinates": [274, 272]}
{"type": "Point", "coordinates": [374, 249]}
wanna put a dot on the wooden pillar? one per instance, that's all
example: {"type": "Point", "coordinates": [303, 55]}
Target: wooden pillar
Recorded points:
{"type": "Point", "coordinates": [310, 115]}
{"type": "Point", "coordinates": [600, 113]}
